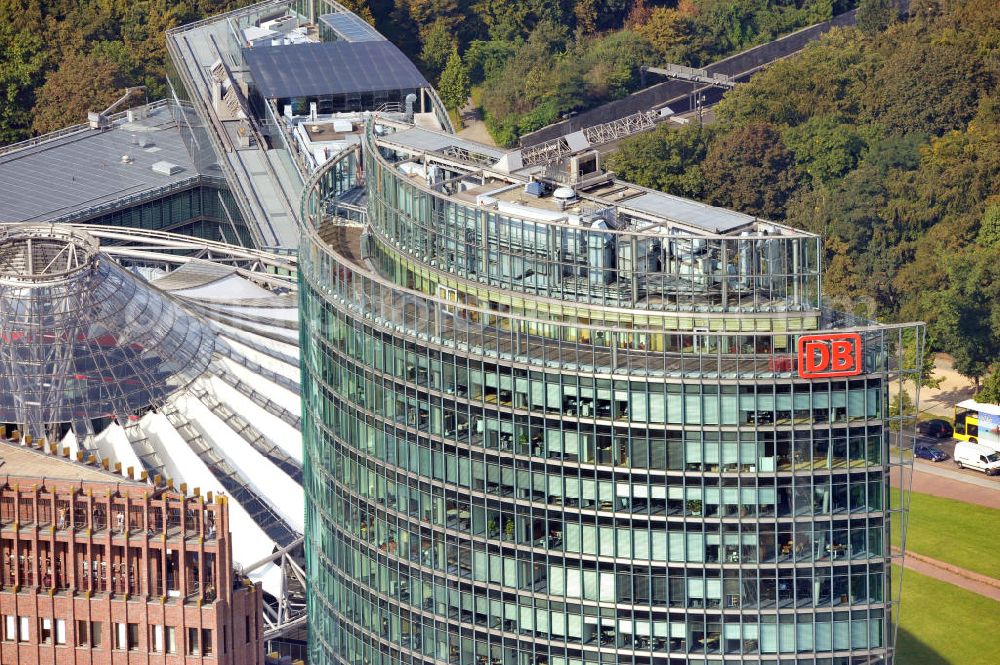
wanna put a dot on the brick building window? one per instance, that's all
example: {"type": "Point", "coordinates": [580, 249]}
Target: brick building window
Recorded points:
{"type": "Point", "coordinates": [156, 639]}
{"type": "Point", "coordinates": [45, 630]}
{"type": "Point", "coordinates": [133, 636]}
{"type": "Point", "coordinates": [120, 637]}
{"type": "Point", "coordinates": [23, 632]}
{"type": "Point", "coordinates": [60, 631]}
{"type": "Point", "coordinates": [170, 641]}
{"type": "Point", "coordinates": [95, 634]}
{"type": "Point", "coordinates": [206, 641]}
{"type": "Point", "coordinates": [82, 633]}
{"type": "Point", "coordinates": [193, 648]}
{"type": "Point", "coordinates": [9, 628]}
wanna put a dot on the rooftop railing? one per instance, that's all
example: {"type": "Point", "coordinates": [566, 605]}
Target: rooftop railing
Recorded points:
{"type": "Point", "coordinates": [75, 129]}
{"type": "Point", "coordinates": [632, 342]}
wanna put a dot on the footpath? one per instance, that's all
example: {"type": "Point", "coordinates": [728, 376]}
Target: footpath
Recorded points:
{"type": "Point", "coordinates": [949, 484]}
{"type": "Point", "coordinates": [945, 572]}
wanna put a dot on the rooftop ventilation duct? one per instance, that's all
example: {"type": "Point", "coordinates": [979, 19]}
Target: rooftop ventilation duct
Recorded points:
{"type": "Point", "coordinates": [410, 100]}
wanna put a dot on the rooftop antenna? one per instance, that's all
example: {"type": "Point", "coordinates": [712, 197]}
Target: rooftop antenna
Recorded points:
{"type": "Point", "coordinates": [101, 119]}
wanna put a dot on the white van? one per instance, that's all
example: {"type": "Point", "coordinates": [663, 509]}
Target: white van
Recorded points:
{"type": "Point", "coordinates": [977, 456]}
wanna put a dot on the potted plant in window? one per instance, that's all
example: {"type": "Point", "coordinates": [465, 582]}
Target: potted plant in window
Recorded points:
{"type": "Point", "coordinates": [694, 506]}
{"type": "Point", "coordinates": [508, 529]}
{"type": "Point", "coordinates": [491, 526]}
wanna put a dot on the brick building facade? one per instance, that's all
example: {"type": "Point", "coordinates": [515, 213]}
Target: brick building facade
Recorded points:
{"type": "Point", "coordinates": [101, 571]}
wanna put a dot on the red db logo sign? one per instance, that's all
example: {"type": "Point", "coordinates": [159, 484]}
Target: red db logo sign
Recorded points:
{"type": "Point", "coordinates": [823, 356]}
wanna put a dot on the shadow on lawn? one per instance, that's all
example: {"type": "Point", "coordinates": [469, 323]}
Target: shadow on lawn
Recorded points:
{"type": "Point", "coordinates": [911, 651]}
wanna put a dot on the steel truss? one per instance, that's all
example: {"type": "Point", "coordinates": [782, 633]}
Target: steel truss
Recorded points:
{"type": "Point", "coordinates": [290, 611]}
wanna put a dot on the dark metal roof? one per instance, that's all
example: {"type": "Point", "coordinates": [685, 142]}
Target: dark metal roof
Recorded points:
{"type": "Point", "coordinates": [331, 68]}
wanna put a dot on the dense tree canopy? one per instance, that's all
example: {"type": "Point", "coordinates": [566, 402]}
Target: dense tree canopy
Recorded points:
{"type": "Point", "coordinates": [48, 46]}
{"type": "Point", "coordinates": [885, 140]}
{"type": "Point", "coordinates": [535, 60]}
{"type": "Point", "coordinates": [750, 169]}
{"type": "Point", "coordinates": [668, 159]}
{"type": "Point", "coordinates": [82, 83]}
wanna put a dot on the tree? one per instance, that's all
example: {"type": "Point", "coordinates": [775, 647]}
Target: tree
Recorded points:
{"type": "Point", "coordinates": [638, 15]}
{"type": "Point", "coordinates": [22, 61]}
{"type": "Point", "coordinates": [667, 158]}
{"type": "Point", "coordinates": [484, 60]}
{"type": "Point", "coordinates": [928, 86]}
{"type": "Point", "coordinates": [827, 77]}
{"type": "Point", "coordinates": [666, 29]}
{"type": "Point", "coordinates": [751, 170]}
{"type": "Point", "coordinates": [439, 41]}
{"type": "Point", "coordinates": [825, 148]}
{"type": "Point", "coordinates": [990, 392]}
{"type": "Point", "coordinates": [506, 21]}
{"type": "Point", "coordinates": [874, 16]}
{"type": "Point", "coordinates": [969, 320]}
{"type": "Point", "coordinates": [82, 83]}
{"type": "Point", "coordinates": [586, 15]}
{"type": "Point", "coordinates": [454, 85]}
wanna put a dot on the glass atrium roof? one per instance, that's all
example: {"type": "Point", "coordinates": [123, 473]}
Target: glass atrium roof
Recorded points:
{"type": "Point", "coordinates": [82, 338]}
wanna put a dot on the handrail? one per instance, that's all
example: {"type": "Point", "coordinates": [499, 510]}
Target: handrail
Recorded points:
{"type": "Point", "coordinates": [123, 202]}
{"type": "Point", "coordinates": [177, 241]}
{"type": "Point", "coordinates": [249, 9]}
{"type": "Point", "coordinates": [288, 140]}
{"type": "Point", "coordinates": [440, 110]}
{"type": "Point", "coordinates": [73, 129]}
{"type": "Point", "coordinates": [242, 201]}
{"type": "Point", "coordinates": [414, 314]}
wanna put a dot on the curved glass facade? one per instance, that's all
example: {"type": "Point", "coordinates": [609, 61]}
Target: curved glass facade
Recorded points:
{"type": "Point", "coordinates": [525, 446]}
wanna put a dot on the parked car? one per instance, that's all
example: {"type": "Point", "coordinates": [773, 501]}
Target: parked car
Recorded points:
{"type": "Point", "coordinates": [936, 428]}
{"type": "Point", "coordinates": [976, 456]}
{"type": "Point", "coordinates": [933, 454]}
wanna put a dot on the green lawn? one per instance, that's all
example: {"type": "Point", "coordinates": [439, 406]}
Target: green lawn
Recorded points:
{"type": "Point", "coordinates": [958, 533]}
{"type": "Point", "coordinates": [941, 624]}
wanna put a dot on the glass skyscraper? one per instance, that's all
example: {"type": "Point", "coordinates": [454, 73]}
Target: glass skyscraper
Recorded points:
{"type": "Point", "coordinates": [555, 418]}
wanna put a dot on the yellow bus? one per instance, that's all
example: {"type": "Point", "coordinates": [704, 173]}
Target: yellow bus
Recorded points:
{"type": "Point", "coordinates": [977, 422]}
